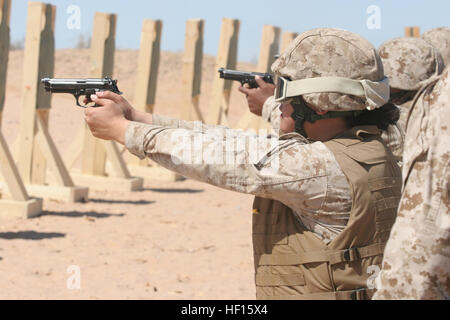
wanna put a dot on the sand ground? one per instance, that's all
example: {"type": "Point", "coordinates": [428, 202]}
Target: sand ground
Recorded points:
{"type": "Point", "coordinates": [172, 240]}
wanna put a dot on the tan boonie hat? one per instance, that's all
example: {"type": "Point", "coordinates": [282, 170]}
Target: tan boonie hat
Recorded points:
{"type": "Point", "coordinates": [334, 55]}
{"type": "Point", "coordinates": [409, 62]}
{"type": "Point", "coordinates": [440, 39]}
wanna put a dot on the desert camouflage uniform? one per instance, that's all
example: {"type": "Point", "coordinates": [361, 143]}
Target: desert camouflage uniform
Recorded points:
{"type": "Point", "coordinates": [417, 257]}
{"type": "Point", "coordinates": [440, 39]}
{"type": "Point", "coordinates": [301, 176]}
{"type": "Point", "coordinates": [409, 63]}
{"type": "Point", "coordinates": [305, 177]}
{"type": "Point", "coordinates": [271, 113]}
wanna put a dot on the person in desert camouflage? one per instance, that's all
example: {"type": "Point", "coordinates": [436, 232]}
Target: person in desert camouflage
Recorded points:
{"type": "Point", "coordinates": [326, 191]}
{"type": "Point", "coordinates": [408, 63]}
{"type": "Point", "coordinates": [440, 39]}
{"type": "Point", "coordinates": [416, 263]}
{"type": "Point", "coordinates": [261, 102]}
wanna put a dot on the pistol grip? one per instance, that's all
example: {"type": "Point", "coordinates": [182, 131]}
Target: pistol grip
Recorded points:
{"type": "Point", "coordinates": [253, 84]}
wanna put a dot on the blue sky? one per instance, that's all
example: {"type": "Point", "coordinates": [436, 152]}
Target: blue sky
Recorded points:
{"type": "Point", "coordinates": [289, 15]}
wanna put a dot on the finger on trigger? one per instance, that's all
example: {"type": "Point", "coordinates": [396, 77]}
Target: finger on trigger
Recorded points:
{"type": "Point", "coordinates": [109, 95]}
{"type": "Point", "coordinates": [98, 101]}
{"type": "Point", "coordinates": [261, 83]}
{"type": "Point", "coordinates": [244, 90]}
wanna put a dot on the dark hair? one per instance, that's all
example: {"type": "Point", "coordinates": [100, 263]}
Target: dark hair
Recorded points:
{"type": "Point", "coordinates": [381, 117]}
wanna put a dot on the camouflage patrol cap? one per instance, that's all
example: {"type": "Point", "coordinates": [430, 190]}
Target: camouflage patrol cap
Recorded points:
{"type": "Point", "coordinates": [409, 62]}
{"type": "Point", "coordinates": [440, 39]}
{"type": "Point", "coordinates": [328, 52]}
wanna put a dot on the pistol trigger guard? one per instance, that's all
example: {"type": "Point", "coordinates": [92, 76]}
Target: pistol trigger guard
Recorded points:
{"type": "Point", "coordinates": [77, 99]}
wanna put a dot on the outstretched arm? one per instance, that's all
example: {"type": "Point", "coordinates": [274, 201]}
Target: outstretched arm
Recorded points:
{"type": "Point", "coordinates": [132, 114]}
{"type": "Point", "coordinates": [240, 162]}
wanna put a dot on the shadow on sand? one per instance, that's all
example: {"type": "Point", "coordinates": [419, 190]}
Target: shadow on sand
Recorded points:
{"type": "Point", "coordinates": [174, 190]}
{"type": "Point", "coordinates": [138, 202]}
{"type": "Point", "coordinates": [30, 235]}
{"type": "Point", "coordinates": [79, 214]}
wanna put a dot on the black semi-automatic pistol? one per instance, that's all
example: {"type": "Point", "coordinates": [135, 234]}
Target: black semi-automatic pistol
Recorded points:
{"type": "Point", "coordinates": [80, 87]}
{"type": "Point", "coordinates": [245, 77]}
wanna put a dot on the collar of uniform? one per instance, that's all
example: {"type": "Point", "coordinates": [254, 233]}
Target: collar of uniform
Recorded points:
{"type": "Point", "coordinates": [362, 131]}
{"type": "Point", "coordinates": [357, 134]}
{"type": "Point", "coordinates": [294, 135]}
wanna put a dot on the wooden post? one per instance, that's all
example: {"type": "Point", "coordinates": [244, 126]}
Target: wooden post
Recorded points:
{"type": "Point", "coordinates": [20, 204]}
{"type": "Point", "coordinates": [145, 96]}
{"type": "Point", "coordinates": [286, 40]}
{"type": "Point", "coordinates": [102, 65]}
{"type": "Point", "coordinates": [147, 72]}
{"type": "Point", "coordinates": [192, 70]}
{"type": "Point", "coordinates": [5, 9]}
{"type": "Point", "coordinates": [226, 58]}
{"type": "Point", "coordinates": [148, 65]}
{"type": "Point", "coordinates": [95, 152]}
{"type": "Point", "coordinates": [36, 148]}
{"type": "Point", "coordinates": [38, 63]}
{"type": "Point", "coordinates": [412, 32]}
{"type": "Point", "coordinates": [269, 48]}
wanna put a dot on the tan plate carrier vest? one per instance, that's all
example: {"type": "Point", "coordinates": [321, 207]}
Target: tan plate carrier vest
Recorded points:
{"type": "Point", "coordinates": [293, 263]}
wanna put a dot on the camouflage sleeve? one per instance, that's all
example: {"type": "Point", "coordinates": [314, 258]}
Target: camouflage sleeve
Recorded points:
{"type": "Point", "coordinates": [271, 113]}
{"type": "Point", "coordinates": [394, 138]}
{"type": "Point", "coordinates": [268, 167]}
{"type": "Point", "coordinates": [165, 121]}
{"type": "Point", "coordinates": [416, 261]}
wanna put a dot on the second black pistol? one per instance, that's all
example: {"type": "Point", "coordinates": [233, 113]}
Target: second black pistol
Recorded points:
{"type": "Point", "coordinates": [245, 77]}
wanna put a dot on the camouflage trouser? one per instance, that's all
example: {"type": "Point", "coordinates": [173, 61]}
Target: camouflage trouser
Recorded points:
{"type": "Point", "coordinates": [417, 257]}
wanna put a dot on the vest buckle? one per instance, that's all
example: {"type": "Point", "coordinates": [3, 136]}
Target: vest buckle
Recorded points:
{"type": "Point", "coordinates": [351, 254]}
{"type": "Point", "coordinates": [358, 294]}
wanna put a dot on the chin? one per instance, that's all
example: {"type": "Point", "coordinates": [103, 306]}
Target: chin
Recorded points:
{"type": "Point", "coordinates": [284, 131]}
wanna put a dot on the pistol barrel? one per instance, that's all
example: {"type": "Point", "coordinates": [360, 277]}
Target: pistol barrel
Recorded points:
{"type": "Point", "coordinates": [80, 87]}
{"type": "Point", "coordinates": [67, 85]}
{"type": "Point", "coordinates": [244, 77]}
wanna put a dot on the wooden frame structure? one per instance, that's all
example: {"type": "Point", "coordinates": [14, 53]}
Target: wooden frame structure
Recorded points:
{"type": "Point", "coordinates": [226, 58]}
{"type": "Point", "coordinates": [191, 74]}
{"type": "Point", "coordinates": [36, 149]}
{"type": "Point", "coordinates": [190, 87]}
{"type": "Point", "coordinates": [286, 40]}
{"type": "Point", "coordinates": [146, 82]}
{"type": "Point", "coordinates": [412, 32]}
{"type": "Point", "coordinates": [102, 164]}
{"type": "Point", "coordinates": [18, 203]}
{"type": "Point", "coordinates": [5, 10]}
{"type": "Point", "coordinates": [95, 152]}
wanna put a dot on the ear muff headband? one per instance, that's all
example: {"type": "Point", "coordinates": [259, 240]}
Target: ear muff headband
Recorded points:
{"type": "Point", "coordinates": [376, 93]}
